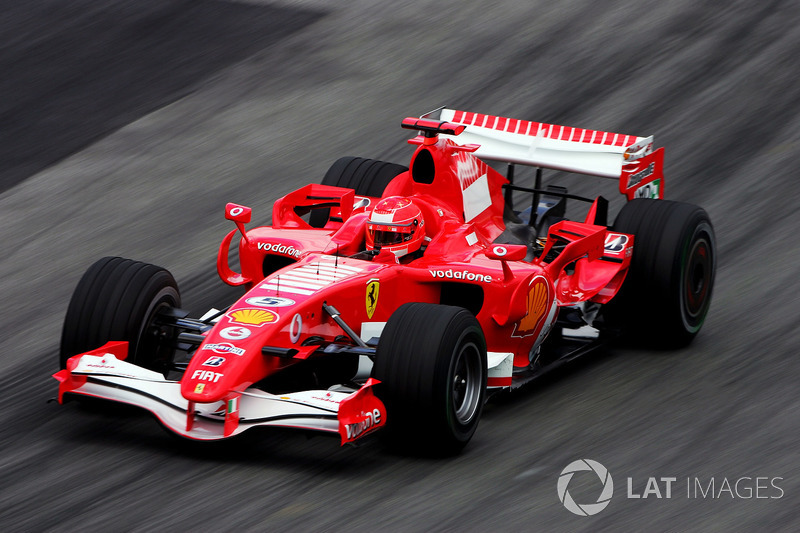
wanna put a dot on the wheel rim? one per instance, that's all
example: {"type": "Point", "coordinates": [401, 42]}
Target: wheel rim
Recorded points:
{"type": "Point", "coordinates": [697, 281]}
{"type": "Point", "coordinates": [466, 383]}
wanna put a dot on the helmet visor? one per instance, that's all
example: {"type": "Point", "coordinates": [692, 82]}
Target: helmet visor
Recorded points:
{"type": "Point", "coordinates": [384, 237]}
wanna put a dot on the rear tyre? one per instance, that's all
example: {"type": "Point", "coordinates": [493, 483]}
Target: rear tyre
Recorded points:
{"type": "Point", "coordinates": [120, 300]}
{"type": "Point", "coordinates": [667, 292]}
{"type": "Point", "coordinates": [368, 177]}
{"type": "Point", "coordinates": [431, 361]}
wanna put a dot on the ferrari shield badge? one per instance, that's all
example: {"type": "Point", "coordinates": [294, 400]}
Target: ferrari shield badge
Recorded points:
{"type": "Point", "coordinates": [373, 287]}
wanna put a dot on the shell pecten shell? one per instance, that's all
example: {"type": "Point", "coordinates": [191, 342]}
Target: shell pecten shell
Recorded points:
{"type": "Point", "coordinates": [252, 317]}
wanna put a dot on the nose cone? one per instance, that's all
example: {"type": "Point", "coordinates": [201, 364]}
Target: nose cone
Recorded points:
{"type": "Point", "coordinates": [203, 386]}
{"type": "Point", "coordinates": [230, 358]}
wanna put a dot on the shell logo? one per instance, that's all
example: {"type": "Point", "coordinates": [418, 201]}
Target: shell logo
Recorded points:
{"type": "Point", "coordinates": [253, 317]}
{"type": "Point", "coordinates": [537, 306]}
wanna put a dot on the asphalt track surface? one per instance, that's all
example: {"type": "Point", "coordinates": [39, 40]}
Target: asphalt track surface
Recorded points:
{"type": "Point", "coordinates": [126, 126]}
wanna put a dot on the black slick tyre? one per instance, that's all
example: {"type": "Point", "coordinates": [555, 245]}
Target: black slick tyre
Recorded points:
{"type": "Point", "coordinates": [666, 295]}
{"type": "Point", "coordinates": [431, 361]}
{"type": "Point", "coordinates": [368, 177]}
{"type": "Point", "coordinates": [119, 300]}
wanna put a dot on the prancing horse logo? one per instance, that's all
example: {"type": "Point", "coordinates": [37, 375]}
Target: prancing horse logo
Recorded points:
{"type": "Point", "coordinates": [373, 287]}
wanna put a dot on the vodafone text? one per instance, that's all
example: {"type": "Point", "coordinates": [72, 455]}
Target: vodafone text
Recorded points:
{"type": "Point", "coordinates": [371, 419]}
{"type": "Point", "coordinates": [279, 248]}
{"type": "Point", "coordinates": [461, 274]}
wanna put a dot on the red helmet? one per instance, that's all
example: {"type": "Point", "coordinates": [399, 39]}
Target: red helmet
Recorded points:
{"type": "Point", "coordinates": [396, 225]}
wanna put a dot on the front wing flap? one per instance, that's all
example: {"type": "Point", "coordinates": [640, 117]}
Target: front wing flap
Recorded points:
{"type": "Point", "coordinates": [104, 374]}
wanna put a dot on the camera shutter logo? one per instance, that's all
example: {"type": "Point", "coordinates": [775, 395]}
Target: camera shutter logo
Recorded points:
{"type": "Point", "coordinates": [585, 509]}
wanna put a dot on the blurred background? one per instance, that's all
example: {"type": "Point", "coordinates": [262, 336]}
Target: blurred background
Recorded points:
{"type": "Point", "coordinates": [125, 127]}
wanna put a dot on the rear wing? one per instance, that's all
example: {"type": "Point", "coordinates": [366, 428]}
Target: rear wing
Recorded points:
{"type": "Point", "coordinates": [629, 158]}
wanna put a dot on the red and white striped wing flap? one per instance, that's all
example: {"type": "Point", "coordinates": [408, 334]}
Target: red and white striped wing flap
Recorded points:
{"type": "Point", "coordinates": [598, 153]}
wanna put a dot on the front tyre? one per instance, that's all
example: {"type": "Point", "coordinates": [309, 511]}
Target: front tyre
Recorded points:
{"type": "Point", "coordinates": [667, 293]}
{"type": "Point", "coordinates": [431, 361]}
{"type": "Point", "coordinates": [121, 300]}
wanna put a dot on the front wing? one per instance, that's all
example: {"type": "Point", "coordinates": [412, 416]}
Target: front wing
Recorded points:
{"type": "Point", "coordinates": [101, 374]}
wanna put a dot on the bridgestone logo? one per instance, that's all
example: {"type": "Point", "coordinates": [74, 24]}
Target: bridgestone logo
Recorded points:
{"type": "Point", "coordinates": [279, 249]}
{"type": "Point", "coordinates": [635, 179]}
{"type": "Point", "coordinates": [460, 274]}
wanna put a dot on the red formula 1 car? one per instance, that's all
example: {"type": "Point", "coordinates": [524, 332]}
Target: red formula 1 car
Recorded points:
{"type": "Point", "coordinates": [401, 296]}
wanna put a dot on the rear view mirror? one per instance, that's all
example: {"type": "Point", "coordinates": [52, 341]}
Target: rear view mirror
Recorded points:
{"type": "Point", "coordinates": [237, 213]}
{"type": "Point", "coordinates": [507, 252]}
